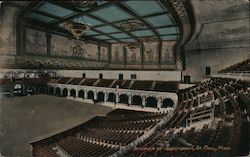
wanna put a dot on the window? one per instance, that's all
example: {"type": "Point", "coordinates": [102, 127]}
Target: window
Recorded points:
{"type": "Point", "coordinates": [208, 70]}
{"type": "Point", "coordinates": [83, 75]}
{"type": "Point", "coordinates": [100, 76]}
{"type": "Point", "coordinates": [120, 76]}
{"type": "Point", "coordinates": [187, 79]}
{"type": "Point", "coordinates": [133, 76]}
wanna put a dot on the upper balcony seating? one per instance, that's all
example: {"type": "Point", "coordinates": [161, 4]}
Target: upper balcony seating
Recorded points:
{"type": "Point", "coordinates": [89, 82]}
{"type": "Point", "coordinates": [162, 86]}
{"type": "Point", "coordinates": [243, 66]}
{"type": "Point", "coordinates": [75, 81]}
{"type": "Point", "coordinates": [104, 83]}
{"type": "Point", "coordinates": [123, 84]}
{"type": "Point", "coordinates": [63, 80]}
{"type": "Point", "coordinates": [141, 85]}
{"type": "Point", "coordinates": [44, 151]}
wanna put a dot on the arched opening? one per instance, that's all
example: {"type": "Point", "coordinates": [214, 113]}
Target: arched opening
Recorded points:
{"type": "Point", "coordinates": [51, 91]}
{"type": "Point", "coordinates": [91, 95]}
{"type": "Point", "coordinates": [58, 91]}
{"type": "Point", "coordinates": [42, 90]}
{"type": "Point", "coordinates": [81, 94]}
{"type": "Point", "coordinates": [167, 103]}
{"type": "Point", "coordinates": [137, 100]}
{"type": "Point", "coordinates": [6, 92]}
{"type": "Point", "coordinates": [65, 92]}
{"type": "Point", "coordinates": [123, 99]}
{"type": "Point", "coordinates": [18, 89]}
{"type": "Point", "coordinates": [100, 97]}
{"type": "Point", "coordinates": [73, 93]}
{"type": "Point", "coordinates": [30, 91]}
{"type": "Point", "coordinates": [151, 102]}
{"type": "Point", "coordinates": [111, 97]}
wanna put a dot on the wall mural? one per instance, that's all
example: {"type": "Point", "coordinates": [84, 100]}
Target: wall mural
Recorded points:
{"type": "Point", "coordinates": [151, 52]}
{"type": "Point", "coordinates": [167, 52]}
{"type": "Point", "coordinates": [104, 53]}
{"type": "Point", "coordinates": [7, 31]}
{"type": "Point", "coordinates": [62, 46]}
{"type": "Point", "coordinates": [36, 42]}
{"type": "Point", "coordinates": [117, 53]}
{"type": "Point", "coordinates": [133, 55]}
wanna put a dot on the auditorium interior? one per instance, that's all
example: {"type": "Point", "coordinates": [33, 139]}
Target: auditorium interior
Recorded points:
{"type": "Point", "coordinates": [125, 78]}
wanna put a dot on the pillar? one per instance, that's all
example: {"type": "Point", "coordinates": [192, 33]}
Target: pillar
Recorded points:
{"type": "Point", "coordinates": [77, 93]}
{"type": "Point", "coordinates": [143, 101]}
{"type": "Point", "coordinates": [68, 93]}
{"type": "Point", "coordinates": [129, 99]}
{"type": "Point", "coordinates": [159, 103]}
{"type": "Point", "coordinates": [116, 98]}
{"type": "Point", "coordinates": [95, 95]}
{"type": "Point", "coordinates": [105, 96]}
{"type": "Point", "coordinates": [85, 94]}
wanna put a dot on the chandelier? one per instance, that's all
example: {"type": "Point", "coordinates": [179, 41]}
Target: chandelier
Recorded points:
{"type": "Point", "coordinates": [77, 28]}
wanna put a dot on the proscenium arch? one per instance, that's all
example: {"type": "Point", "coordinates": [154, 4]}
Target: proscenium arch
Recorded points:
{"type": "Point", "coordinates": [137, 100]}
{"type": "Point", "coordinates": [42, 90]}
{"type": "Point", "coordinates": [58, 91]}
{"type": "Point", "coordinates": [90, 95]}
{"type": "Point", "coordinates": [64, 92]}
{"type": "Point", "coordinates": [73, 93]}
{"type": "Point", "coordinates": [81, 93]}
{"type": "Point", "coordinates": [51, 90]}
{"type": "Point", "coordinates": [18, 89]}
{"type": "Point", "coordinates": [167, 102]}
{"type": "Point", "coordinates": [100, 97]}
{"type": "Point", "coordinates": [31, 91]}
{"type": "Point", "coordinates": [151, 102]}
{"type": "Point", "coordinates": [123, 98]}
{"type": "Point", "coordinates": [111, 97]}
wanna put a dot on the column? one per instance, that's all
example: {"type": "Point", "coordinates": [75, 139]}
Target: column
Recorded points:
{"type": "Point", "coordinates": [95, 95]}
{"type": "Point", "coordinates": [116, 98]}
{"type": "Point", "coordinates": [159, 103]}
{"type": "Point", "coordinates": [143, 101]}
{"type": "Point", "coordinates": [129, 99]}
{"type": "Point", "coordinates": [106, 96]}
{"type": "Point", "coordinates": [68, 93]}
{"type": "Point", "coordinates": [77, 93]}
{"type": "Point", "coordinates": [85, 94]}
{"type": "Point", "coordinates": [48, 37]}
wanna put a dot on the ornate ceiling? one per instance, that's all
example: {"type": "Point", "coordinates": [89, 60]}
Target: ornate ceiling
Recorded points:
{"type": "Point", "coordinates": [111, 21]}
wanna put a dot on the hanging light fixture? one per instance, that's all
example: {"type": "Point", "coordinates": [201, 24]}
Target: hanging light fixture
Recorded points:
{"type": "Point", "coordinates": [77, 28]}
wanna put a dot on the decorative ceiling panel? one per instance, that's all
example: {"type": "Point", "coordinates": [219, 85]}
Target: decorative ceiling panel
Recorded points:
{"type": "Point", "coordinates": [120, 35]}
{"type": "Point", "coordinates": [111, 14]}
{"type": "Point", "coordinates": [107, 29]}
{"type": "Point", "coordinates": [168, 30]}
{"type": "Point", "coordinates": [102, 37]}
{"type": "Point", "coordinates": [169, 37]}
{"type": "Point", "coordinates": [145, 7]}
{"type": "Point", "coordinates": [40, 17]}
{"type": "Point", "coordinates": [54, 9]}
{"type": "Point", "coordinates": [127, 40]}
{"type": "Point", "coordinates": [89, 20]}
{"type": "Point", "coordinates": [143, 33]}
{"type": "Point", "coordinates": [160, 20]}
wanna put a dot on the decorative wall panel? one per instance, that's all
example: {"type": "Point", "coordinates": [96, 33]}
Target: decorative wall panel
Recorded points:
{"type": "Point", "coordinates": [36, 42]}
{"type": "Point", "coordinates": [117, 53]}
{"type": "Point", "coordinates": [151, 52]}
{"type": "Point", "coordinates": [104, 53]}
{"type": "Point", "coordinates": [133, 56]}
{"type": "Point", "coordinates": [167, 52]}
{"type": "Point", "coordinates": [8, 30]}
{"type": "Point", "coordinates": [62, 46]}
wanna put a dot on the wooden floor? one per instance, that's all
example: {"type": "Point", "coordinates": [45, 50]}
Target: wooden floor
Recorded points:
{"type": "Point", "coordinates": [23, 119]}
